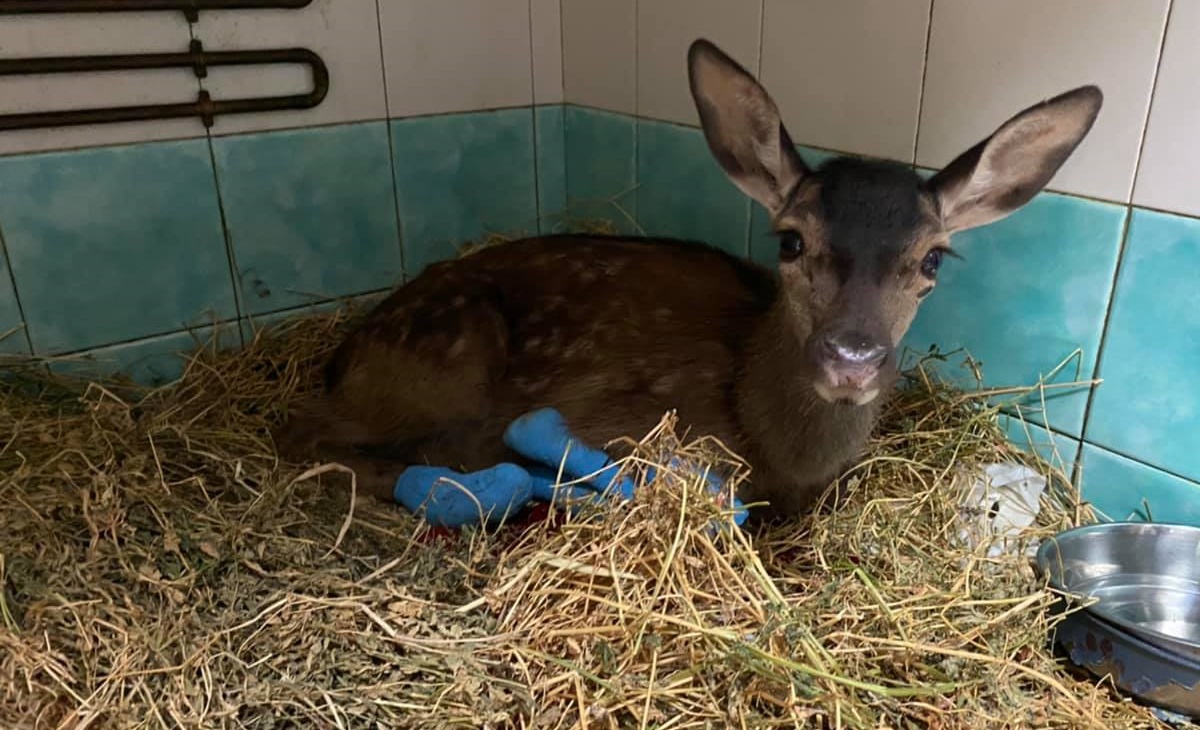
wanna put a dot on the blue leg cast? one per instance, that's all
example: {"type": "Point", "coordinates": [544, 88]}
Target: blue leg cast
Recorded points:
{"type": "Point", "coordinates": [543, 436]}
{"type": "Point", "coordinates": [446, 498]}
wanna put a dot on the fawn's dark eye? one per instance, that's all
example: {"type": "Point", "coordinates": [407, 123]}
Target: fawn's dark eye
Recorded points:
{"type": "Point", "coordinates": [931, 263]}
{"type": "Point", "coordinates": [790, 245]}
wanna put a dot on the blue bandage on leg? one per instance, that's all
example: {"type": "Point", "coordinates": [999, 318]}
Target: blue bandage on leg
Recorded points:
{"type": "Point", "coordinates": [447, 498]}
{"type": "Point", "coordinates": [543, 436]}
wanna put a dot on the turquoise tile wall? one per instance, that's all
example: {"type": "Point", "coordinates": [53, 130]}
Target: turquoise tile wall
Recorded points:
{"type": "Point", "coordinates": [601, 152]}
{"type": "Point", "coordinates": [1149, 405]}
{"type": "Point", "coordinates": [125, 255]}
{"type": "Point", "coordinates": [1127, 489]}
{"type": "Point", "coordinates": [551, 158]}
{"type": "Point", "coordinates": [1032, 289]}
{"type": "Point", "coordinates": [310, 214]}
{"type": "Point", "coordinates": [460, 177]}
{"type": "Point", "coordinates": [683, 193]}
{"type": "Point", "coordinates": [114, 244]}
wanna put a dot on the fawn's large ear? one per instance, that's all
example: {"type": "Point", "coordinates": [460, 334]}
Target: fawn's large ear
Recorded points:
{"type": "Point", "coordinates": [1004, 171]}
{"type": "Point", "coordinates": [743, 128]}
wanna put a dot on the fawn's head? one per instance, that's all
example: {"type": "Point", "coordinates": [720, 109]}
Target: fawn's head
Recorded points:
{"type": "Point", "coordinates": [860, 242]}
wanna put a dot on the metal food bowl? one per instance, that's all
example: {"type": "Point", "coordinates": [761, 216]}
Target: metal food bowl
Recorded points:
{"type": "Point", "coordinates": [1144, 628]}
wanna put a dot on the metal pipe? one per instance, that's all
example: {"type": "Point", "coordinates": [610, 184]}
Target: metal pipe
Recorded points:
{"type": "Point", "coordinates": [197, 59]}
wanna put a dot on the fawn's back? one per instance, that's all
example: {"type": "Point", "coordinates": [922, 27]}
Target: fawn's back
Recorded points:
{"type": "Point", "coordinates": [612, 332]}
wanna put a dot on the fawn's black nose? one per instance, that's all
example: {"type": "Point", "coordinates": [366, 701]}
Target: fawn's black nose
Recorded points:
{"type": "Point", "coordinates": [853, 351]}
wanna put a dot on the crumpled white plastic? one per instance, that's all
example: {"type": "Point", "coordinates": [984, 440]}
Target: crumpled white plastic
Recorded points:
{"type": "Point", "coordinates": [1002, 501]}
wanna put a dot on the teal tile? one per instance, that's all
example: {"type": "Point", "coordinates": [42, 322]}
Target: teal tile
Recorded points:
{"type": "Point", "coordinates": [683, 193]}
{"type": "Point", "coordinates": [115, 244]}
{"type": "Point", "coordinates": [601, 167]}
{"type": "Point", "coordinates": [1116, 487]}
{"type": "Point", "coordinates": [153, 361]}
{"type": "Point", "coordinates": [764, 246]}
{"type": "Point", "coordinates": [460, 177]}
{"type": "Point", "coordinates": [311, 213]}
{"type": "Point", "coordinates": [12, 328]}
{"type": "Point", "coordinates": [1149, 403]}
{"type": "Point", "coordinates": [1061, 452]}
{"type": "Point", "coordinates": [551, 167]}
{"type": "Point", "coordinates": [1032, 289]}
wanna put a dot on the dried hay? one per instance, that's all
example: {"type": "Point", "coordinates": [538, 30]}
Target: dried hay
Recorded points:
{"type": "Point", "coordinates": [161, 568]}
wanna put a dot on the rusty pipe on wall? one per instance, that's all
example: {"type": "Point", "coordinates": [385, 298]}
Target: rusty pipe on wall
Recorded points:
{"type": "Point", "coordinates": [196, 59]}
{"type": "Point", "coordinates": [191, 8]}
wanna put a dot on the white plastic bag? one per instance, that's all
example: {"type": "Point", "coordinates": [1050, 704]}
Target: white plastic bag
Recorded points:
{"type": "Point", "coordinates": [1001, 503]}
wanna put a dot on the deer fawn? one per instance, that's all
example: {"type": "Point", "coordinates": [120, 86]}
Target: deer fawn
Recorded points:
{"type": "Point", "coordinates": [789, 370]}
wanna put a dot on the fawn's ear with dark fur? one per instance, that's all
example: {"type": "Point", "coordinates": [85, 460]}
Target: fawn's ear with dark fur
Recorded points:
{"type": "Point", "coordinates": [742, 126]}
{"type": "Point", "coordinates": [1004, 171]}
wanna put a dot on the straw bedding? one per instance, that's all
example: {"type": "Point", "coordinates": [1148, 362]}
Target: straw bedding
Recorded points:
{"type": "Point", "coordinates": [161, 568]}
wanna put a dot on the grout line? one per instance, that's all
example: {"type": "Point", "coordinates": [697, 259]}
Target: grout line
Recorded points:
{"type": "Point", "coordinates": [924, 76]}
{"type": "Point", "coordinates": [12, 278]}
{"type": "Point", "coordinates": [387, 106]}
{"type": "Point", "coordinates": [1141, 148]}
{"type": "Point", "coordinates": [215, 324]}
{"type": "Point", "coordinates": [562, 55]}
{"type": "Point", "coordinates": [1112, 297]}
{"type": "Point", "coordinates": [230, 255]}
{"type": "Point", "coordinates": [537, 170]}
{"type": "Point", "coordinates": [762, 24]}
{"type": "Point", "coordinates": [1138, 461]}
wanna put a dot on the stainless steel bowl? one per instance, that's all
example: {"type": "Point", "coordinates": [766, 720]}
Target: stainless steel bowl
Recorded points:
{"type": "Point", "coordinates": [1159, 678]}
{"type": "Point", "coordinates": [1143, 631]}
{"type": "Point", "coordinates": [1146, 577]}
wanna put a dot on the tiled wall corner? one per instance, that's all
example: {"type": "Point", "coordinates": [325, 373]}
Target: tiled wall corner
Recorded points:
{"type": "Point", "coordinates": [456, 55]}
{"type": "Point", "coordinates": [551, 157]}
{"type": "Point", "coordinates": [601, 152]}
{"type": "Point", "coordinates": [599, 40]}
{"type": "Point", "coordinates": [461, 177]}
{"type": "Point", "coordinates": [345, 33]}
{"type": "Point", "coordinates": [114, 244]}
{"type": "Point", "coordinates": [683, 193]}
{"type": "Point", "coordinates": [310, 213]}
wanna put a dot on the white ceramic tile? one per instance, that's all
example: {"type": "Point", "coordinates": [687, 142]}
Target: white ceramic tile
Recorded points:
{"type": "Point", "coordinates": [455, 55]}
{"type": "Point", "coordinates": [989, 60]}
{"type": "Point", "coordinates": [666, 28]}
{"type": "Point", "coordinates": [345, 33]}
{"type": "Point", "coordinates": [545, 20]}
{"type": "Point", "coordinates": [1167, 174]}
{"type": "Point", "coordinates": [26, 36]}
{"type": "Point", "coordinates": [847, 74]}
{"type": "Point", "coordinates": [600, 53]}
